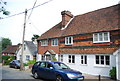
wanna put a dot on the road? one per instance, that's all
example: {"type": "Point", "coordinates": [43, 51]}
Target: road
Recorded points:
{"type": "Point", "coordinates": [11, 74]}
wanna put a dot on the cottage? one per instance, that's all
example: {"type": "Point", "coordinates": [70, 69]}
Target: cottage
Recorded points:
{"type": "Point", "coordinates": [11, 50]}
{"type": "Point", "coordinates": [29, 53]}
{"type": "Point", "coordinates": [88, 42]}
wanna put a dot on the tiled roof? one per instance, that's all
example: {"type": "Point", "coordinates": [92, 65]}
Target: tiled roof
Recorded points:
{"type": "Point", "coordinates": [105, 19]}
{"type": "Point", "coordinates": [31, 46]}
{"type": "Point", "coordinates": [11, 49]}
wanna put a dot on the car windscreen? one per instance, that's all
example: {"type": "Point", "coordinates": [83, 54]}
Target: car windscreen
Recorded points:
{"type": "Point", "coordinates": [60, 66]}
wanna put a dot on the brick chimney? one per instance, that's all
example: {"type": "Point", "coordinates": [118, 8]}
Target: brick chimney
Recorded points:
{"type": "Point", "coordinates": [66, 16]}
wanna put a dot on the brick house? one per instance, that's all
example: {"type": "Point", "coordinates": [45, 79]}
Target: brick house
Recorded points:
{"type": "Point", "coordinates": [88, 42]}
{"type": "Point", "coordinates": [11, 50]}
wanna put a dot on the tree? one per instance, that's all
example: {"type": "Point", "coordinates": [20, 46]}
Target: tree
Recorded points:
{"type": "Point", "coordinates": [34, 37]}
{"type": "Point", "coordinates": [5, 42]}
{"type": "Point", "coordinates": [2, 9]}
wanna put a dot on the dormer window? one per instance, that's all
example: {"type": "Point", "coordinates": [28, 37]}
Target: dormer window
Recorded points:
{"type": "Point", "coordinates": [101, 37]}
{"type": "Point", "coordinates": [54, 42]}
{"type": "Point", "coordinates": [44, 43]}
{"type": "Point", "coordinates": [69, 40]}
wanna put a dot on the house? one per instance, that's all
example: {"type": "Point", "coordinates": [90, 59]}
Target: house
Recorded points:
{"type": "Point", "coordinates": [89, 42]}
{"type": "Point", "coordinates": [11, 50]}
{"type": "Point", "coordinates": [29, 53]}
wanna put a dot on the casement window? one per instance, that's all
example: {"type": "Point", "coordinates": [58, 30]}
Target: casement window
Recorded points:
{"type": "Point", "coordinates": [102, 60]}
{"type": "Point", "coordinates": [71, 58]}
{"type": "Point", "coordinates": [60, 58]}
{"type": "Point", "coordinates": [101, 37]}
{"type": "Point", "coordinates": [54, 42]}
{"type": "Point", "coordinates": [68, 40]}
{"type": "Point", "coordinates": [27, 57]}
{"type": "Point", "coordinates": [44, 43]}
{"type": "Point", "coordinates": [83, 59]}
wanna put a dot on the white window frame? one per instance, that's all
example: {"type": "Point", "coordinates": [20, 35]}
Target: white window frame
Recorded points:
{"type": "Point", "coordinates": [67, 40]}
{"type": "Point", "coordinates": [83, 59]}
{"type": "Point", "coordinates": [54, 42]}
{"type": "Point", "coordinates": [72, 61]}
{"type": "Point", "coordinates": [98, 37]}
{"type": "Point", "coordinates": [44, 42]}
{"type": "Point", "coordinates": [60, 58]}
{"type": "Point", "coordinates": [27, 57]}
{"type": "Point", "coordinates": [100, 64]}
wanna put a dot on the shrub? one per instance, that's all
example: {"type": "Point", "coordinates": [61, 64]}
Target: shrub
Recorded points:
{"type": "Point", "coordinates": [54, 59]}
{"type": "Point", "coordinates": [112, 73]}
{"type": "Point", "coordinates": [31, 61]}
{"type": "Point", "coordinates": [8, 59]}
{"type": "Point", "coordinates": [25, 64]}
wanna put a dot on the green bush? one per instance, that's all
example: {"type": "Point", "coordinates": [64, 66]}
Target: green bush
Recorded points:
{"type": "Point", "coordinates": [112, 73]}
{"type": "Point", "coordinates": [25, 64]}
{"type": "Point", "coordinates": [31, 61]}
{"type": "Point", "coordinates": [8, 59]}
{"type": "Point", "coordinates": [54, 59]}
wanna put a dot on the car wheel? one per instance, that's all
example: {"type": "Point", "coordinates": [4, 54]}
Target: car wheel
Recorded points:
{"type": "Point", "coordinates": [59, 78]}
{"type": "Point", "coordinates": [35, 75]}
{"type": "Point", "coordinates": [15, 67]}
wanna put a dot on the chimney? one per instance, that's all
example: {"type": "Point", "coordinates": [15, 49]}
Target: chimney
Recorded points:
{"type": "Point", "coordinates": [66, 16]}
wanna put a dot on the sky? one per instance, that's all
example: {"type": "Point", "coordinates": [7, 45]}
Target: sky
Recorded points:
{"type": "Point", "coordinates": [43, 17]}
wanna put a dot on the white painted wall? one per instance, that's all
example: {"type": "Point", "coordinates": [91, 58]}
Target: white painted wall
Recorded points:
{"type": "Point", "coordinates": [90, 68]}
{"type": "Point", "coordinates": [38, 58]}
{"type": "Point", "coordinates": [25, 52]}
{"type": "Point", "coordinates": [118, 64]}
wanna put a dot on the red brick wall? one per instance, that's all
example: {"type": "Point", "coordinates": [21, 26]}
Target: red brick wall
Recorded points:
{"type": "Point", "coordinates": [43, 49]}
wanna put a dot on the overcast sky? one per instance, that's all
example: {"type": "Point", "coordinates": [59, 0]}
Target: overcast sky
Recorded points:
{"type": "Point", "coordinates": [43, 17]}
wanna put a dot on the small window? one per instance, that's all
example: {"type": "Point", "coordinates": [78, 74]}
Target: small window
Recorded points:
{"type": "Point", "coordinates": [102, 60]}
{"type": "Point", "coordinates": [68, 40]}
{"type": "Point", "coordinates": [83, 59]}
{"type": "Point", "coordinates": [42, 64]}
{"type": "Point", "coordinates": [71, 59]}
{"type": "Point", "coordinates": [48, 65]}
{"type": "Point", "coordinates": [54, 42]}
{"type": "Point", "coordinates": [101, 37]}
{"type": "Point", "coordinates": [60, 58]}
{"type": "Point", "coordinates": [27, 57]}
{"type": "Point", "coordinates": [44, 43]}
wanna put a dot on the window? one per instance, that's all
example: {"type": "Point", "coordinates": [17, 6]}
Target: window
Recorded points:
{"type": "Point", "coordinates": [71, 59]}
{"type": "Point", "coordinates": [68, 40]}
{"type": "Point", "coordinates": [102, 60]}
{"type": "Point", "coordinates": [27, 57]}
{"type": "Point", "coordinates": [60, 58]}
{"type": "Point", "coordinates": [83, 59]}
{"type": "Point", "coordinates": [101, 37]}
{"type": "Point", "coordinates": [54, 42]}
{"type": "Point", "coordinates": [44, 43]}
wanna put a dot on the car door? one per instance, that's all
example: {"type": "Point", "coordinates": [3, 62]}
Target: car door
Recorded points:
{"type": "Point", "coordinates": [41, 70]}
{"type": "Point", "coordinates": [49, 71]}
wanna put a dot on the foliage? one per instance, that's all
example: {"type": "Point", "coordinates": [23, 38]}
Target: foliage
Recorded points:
{"type": "Point", "coordinates": [2, 9]}
{"type": "Point", "coordinates": [25, 64]}
{"type": "Point", "coordinates": [31, 61]}
{"type": "Point", "coordinates": [112, 73]}
{"type": "Point", "coordinates": [8, 59]}
{"type": "Point", "coordinates": [5, 42]}
{"type": "Point", "coordinates": [54, 59]}
{"type": "Point", "coordinates": [34, 37]}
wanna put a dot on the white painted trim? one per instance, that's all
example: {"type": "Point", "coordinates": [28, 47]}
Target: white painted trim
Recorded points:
{"type": "Point", "coordinates": [103, 37]}
{"type": "Point", "coordinates": [67, 23]}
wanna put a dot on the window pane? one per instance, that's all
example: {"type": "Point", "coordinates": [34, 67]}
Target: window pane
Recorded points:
{"type": "Point", "coordinates": [81, 61]}
{"type": "Point", "coordinates": [95, 37]}
{"type": "Point", "coordinates": [102, 59]}
{"type": "Point", "coordinates": [100, 37]}
{"type": "Point", "coordinates": [85, 59]}
{"type": "Point", "coordinates": [97, 59]}
{"type": "Point", "coordinates": [69, 58]}
{"type": "Point", "coordinates": [105, 36]}
{"type": "Point", "coordinates": [69, 40]}
{"type": "Point", "coordinates": [73, 59]}
{"type": "Point", "coordinates": [107, 60]}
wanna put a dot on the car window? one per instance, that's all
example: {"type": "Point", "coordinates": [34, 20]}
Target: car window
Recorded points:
{"type": "Point", "coordinates": [37, 64]}
{"type": "Point", "coordinates": [61, 66]}
{"type": "Point", "coordinates": [42, 64]}
{"type": "Point", "coordinates": [48, 65]}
